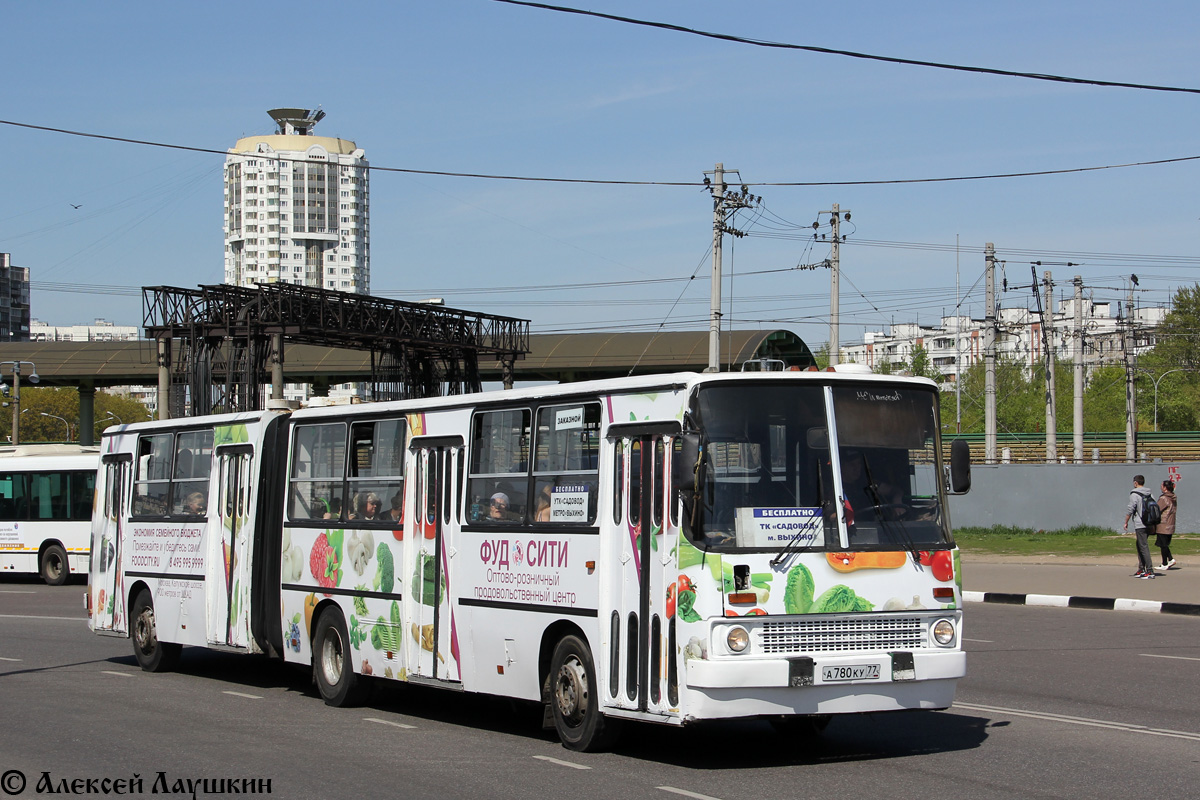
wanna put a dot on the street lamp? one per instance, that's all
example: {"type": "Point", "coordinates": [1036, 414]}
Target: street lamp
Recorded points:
{"type": "Point", "coordinates": [1155, 381]}
{"type": "Point", "coordinates": [109, 416]}
{"type": "Point", "coordinates": [64, 422]}
{"type": "Point", "coordinates": [16, 394]}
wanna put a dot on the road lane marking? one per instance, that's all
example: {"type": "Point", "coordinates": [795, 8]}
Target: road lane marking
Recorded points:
{"type": "Point", "coordinates": [984, 641]}
{"type": "Point", "coordinates": [562, 763]}
{"type": "Point", "coordinates": [2, 658]}
{"type": "Point", "coordinates": [243, 694]}
{"type": "Point", "coordinates": [118, 674]}
{"type": "Point", "coordinates": [1085, 721]}
{"type": "Point", "coordinates": [1180, 658]}
{"type": "Point", "coordinates": [686, 793]}
{"type": "Point", "coordinates": [389, 722]}
{"type": "Point", "coordinates": [30, 616]}
{"type": "Point", "coordinates": [16, 591]}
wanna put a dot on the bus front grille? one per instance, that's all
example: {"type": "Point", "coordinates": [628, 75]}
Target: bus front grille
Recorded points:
{"type": "Point", "coordinates": [865, 633]}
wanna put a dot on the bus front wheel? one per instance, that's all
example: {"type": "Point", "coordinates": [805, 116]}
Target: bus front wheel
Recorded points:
{"type": "Point", "coordinates": [152, 655]}
{"type": "Point", "coordinates": [54, 567]}
{"type": "Point", "coordinates": [332, 663]}
{"type": "Point", "coordinates": [574, 700]}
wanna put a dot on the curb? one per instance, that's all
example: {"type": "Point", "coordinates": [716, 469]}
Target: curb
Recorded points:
{"type": "Point", "coordinates": [1101, 603]}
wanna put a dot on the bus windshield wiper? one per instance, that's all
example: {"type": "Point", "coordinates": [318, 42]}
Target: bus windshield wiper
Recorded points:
{"type": "Point", "coordinates": [792, 545]}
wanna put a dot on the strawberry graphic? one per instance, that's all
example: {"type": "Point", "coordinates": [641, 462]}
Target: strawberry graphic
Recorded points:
{"type": "Point", "coordinates": [325, 561]}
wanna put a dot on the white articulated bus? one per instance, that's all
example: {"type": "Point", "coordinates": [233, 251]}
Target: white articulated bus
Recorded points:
{"type": "Point", "coordinates": [664, 549]}
{"type": "Point", "coordinates": [46, 494]}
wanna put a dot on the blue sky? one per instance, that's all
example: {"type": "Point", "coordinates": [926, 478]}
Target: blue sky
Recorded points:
{"type": "Point", "coordinates": [484, 87]}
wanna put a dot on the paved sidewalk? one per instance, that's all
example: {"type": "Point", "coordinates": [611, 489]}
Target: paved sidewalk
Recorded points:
{"type": "Point", "coordinates": [1046, 580]}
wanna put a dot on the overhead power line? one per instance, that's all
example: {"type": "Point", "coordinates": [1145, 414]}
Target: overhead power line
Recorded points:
{"type": "Point", "coordinates": [615, 182]}
{"type": "Point", "coordinates": [1039, 76]}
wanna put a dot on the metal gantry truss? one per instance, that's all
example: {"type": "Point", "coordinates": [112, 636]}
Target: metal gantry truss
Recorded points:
{"type": "Point", "coordinates": [224, 341]}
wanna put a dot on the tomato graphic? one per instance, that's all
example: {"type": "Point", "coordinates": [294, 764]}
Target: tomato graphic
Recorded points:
{"type": "Point", "coordinates": [671, 601]}
{"type": "Point", "coordinates": [943, 565]}
{"type": "Point", "coordinates": [685, 584]}
{"type": "Point", "coordinates": [926, 558]}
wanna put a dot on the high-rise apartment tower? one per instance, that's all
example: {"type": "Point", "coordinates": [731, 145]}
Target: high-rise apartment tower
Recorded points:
{"type": "Point", "coordinates": [296, 208]}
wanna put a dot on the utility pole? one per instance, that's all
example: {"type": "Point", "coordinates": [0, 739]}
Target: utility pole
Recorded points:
{"type": "Point", "coordinates": [16, 394]}
{"type": "Point", "coordinates": [957, 335]}
{"type": "Point", "coordinates": [721, 204]}
{"type": "Point", "coordinates": [834, 290]}
{"type": "Point", "coordinates": [989, 357]}
{"type": "Point", "coordinates": [1077, 421]}
{"type": "Point", "coordinates": [1051, 393]}
{"type": "Point", "coordinates": [1130, 395]}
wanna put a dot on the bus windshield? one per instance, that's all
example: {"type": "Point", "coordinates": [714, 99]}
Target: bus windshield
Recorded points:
{"type": "Point", "coordinates": [775, 478]}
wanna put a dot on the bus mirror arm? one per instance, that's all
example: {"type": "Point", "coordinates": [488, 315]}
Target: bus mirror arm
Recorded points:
{"type": "Point", "coordinates": [960, 467]}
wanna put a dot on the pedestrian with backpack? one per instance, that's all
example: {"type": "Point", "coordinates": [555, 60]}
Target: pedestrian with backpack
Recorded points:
{"type": "Point", "coordinates": [1138, 510]}
{"type": "Point", "coordinates": [1166, 526]}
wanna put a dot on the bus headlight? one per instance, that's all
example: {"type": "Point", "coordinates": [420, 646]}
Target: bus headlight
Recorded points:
{"type": "Point", "coordinates": [943, 632]}
{"type": "Point", "coordinates": [737, 639]}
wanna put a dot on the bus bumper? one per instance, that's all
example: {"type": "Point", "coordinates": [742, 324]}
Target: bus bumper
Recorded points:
{"type": "Point", "coordinates": [753, 687]}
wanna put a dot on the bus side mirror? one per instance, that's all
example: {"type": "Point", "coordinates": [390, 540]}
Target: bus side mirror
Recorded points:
{"type": "Point", "coordinates": [686, 462]}
{"type": "Point", "coordinates": [960, 467]}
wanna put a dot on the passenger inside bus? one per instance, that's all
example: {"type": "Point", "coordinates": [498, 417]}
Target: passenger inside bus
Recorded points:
{"type": "Point", "coordinates": [195, 504]}
{"type": "Point", "coordinates": [542, 505]}
{"type": "Point", "coordinates": [498, 508]}
{"type": "Point", "coordinates": [397, 509]}
{"type": "Point", "coordinates": [366, 506]}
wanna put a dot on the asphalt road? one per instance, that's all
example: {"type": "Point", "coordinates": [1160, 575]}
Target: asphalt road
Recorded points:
{"type": "Point", "coordinates": [1057, 703]}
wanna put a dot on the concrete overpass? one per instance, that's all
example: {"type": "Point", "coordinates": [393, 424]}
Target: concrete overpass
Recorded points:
{"type": "Point", "coordinates": [88, 366]}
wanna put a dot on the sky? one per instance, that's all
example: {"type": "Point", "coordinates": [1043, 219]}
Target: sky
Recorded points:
{"type": "Point", "coordinates": [485, 87]}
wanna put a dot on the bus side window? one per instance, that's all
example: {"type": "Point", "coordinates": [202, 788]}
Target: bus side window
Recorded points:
{"type": "Point", "coordinates": [375, 471]}
{"type": "Point", "coordinates": [152, 483]}
{"type": "Point", "coordinates": [635, 482]}
{"type": "Point", "coordinates": [618, 481]}
{"type": "Point", "coordinates": [567, 467]}
{"type": "Point", "coordinates": [317, 472]}
{"type": "Point", "coordinates": [672, 499]}
{"type": "Point", "coordinates": [193, 465]}
{"type": "Point", "coordinates": [498, 482]}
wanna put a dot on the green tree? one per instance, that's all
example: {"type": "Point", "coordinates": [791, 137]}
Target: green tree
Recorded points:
{"type": "Point", "coordinates": [920, 365]}
{"type": "Point", "coordinates": [63, 402]}
{"type": "Point", "coordinates": [1104, 400]}
{"type": "Point", "coordinates": [1177, 348]}
{"type": "Point", "coordinates": [821, 356]}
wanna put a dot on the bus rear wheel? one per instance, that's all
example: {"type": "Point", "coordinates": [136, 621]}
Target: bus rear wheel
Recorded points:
{"type": "Point", "coordinates": [333, 668]}
{"type": "Point", "coordinates": [54, 566]}
{"type": "Point", "coordinates": [574, 700]}
{"type": "Point", "coordinates": [152, 655]}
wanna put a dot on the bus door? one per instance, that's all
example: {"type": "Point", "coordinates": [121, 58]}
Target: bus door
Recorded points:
{"type": "Point", "coordinates": [431, 638]}
{"type": "Point", "coordinates": [638, 657]}
{"type": "Point", "coordinates": [108, 554]}
{"type": "Point", "coordinates": [228, 573]}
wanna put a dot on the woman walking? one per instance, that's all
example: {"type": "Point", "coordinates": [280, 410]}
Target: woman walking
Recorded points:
{"type": "Point", "coordinates": [1166, 527]}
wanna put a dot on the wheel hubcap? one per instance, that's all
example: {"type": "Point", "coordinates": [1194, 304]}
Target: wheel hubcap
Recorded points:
{"type": "Point", "coordinates": [571, 691]}
{"type": "Point", "coordinates": [331, 658]}
{"type": "Point", "coordinates": [144, 630]}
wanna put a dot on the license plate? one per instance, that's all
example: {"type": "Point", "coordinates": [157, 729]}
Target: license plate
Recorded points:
{"type": "Point", "coordinates": [850, 672]}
